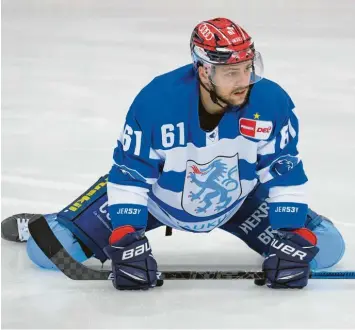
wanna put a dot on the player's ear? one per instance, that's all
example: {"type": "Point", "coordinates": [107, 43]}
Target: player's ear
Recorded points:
{"type": "Point", "coordinates": [202, 72]}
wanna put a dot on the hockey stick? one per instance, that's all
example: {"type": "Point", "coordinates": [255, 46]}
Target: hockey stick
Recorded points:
{"type": "Point", "coordinates": [54, 250]}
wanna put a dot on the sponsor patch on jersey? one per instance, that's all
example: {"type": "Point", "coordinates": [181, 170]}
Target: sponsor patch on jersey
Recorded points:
{"type": "Point", "coordinates": [257, 129]}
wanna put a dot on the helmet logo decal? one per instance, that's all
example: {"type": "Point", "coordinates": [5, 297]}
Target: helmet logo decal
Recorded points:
{"type": "Point", "coordinates": [206, 32]}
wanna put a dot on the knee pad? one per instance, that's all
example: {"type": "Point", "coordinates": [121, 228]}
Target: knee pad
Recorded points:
{"type": "Point", "coordinates": [329, 241]}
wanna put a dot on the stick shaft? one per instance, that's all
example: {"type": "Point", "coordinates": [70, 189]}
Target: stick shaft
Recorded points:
{"type": "Point", "coordinates": [241, 275]}
{"type": "Point", "coordinates": [212, 275]}
{"type": "Point", "coordinates": [345, 275]}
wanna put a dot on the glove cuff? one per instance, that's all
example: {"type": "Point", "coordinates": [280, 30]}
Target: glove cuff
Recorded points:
{"type": "Point", "coordinates": [119, 233]}
{"type": "Point", "coordinates": [307, 234]}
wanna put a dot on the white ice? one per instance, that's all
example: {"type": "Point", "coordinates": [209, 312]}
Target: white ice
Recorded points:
{"type": "Point", "coordinates": [70, 70]}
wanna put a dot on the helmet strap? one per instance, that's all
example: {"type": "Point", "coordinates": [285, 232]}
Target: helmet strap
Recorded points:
{"type": "Point", "coordinates": [213, 95]}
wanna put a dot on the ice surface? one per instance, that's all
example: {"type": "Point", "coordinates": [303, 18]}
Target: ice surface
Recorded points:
{"type": "Point", "coordinates": [70, 70]}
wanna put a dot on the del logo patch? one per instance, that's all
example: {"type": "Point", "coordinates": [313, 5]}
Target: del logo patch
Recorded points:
{"type": "Point", "coordinates": [211, 188]}
{"type": "Point", "coordinates": [257, 129]}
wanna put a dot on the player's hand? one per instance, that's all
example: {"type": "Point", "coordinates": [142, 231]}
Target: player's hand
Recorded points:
{"type": "Point", "coordinates": [133, 264]}
{"type": "Point", "coordinates": [288, 263]}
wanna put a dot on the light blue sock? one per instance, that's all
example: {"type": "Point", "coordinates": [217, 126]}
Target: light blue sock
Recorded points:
{"type": "Point", "coordinates": [67, 239]}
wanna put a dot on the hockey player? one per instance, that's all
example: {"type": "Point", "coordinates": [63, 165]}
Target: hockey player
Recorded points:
{"type": "Point", "coordinates": [210, 145]}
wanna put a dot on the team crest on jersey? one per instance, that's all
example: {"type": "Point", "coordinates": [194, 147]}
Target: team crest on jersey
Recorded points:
{"type": "Point", "coordinates": [210, 188]}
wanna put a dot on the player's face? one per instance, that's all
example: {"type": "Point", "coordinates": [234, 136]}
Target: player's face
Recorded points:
{"type": "Point", "coordinates": [232, 81]}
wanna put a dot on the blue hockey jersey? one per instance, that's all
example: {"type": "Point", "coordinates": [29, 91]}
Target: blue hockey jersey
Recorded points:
{"type": "Point", "coordinates": [195, 180]}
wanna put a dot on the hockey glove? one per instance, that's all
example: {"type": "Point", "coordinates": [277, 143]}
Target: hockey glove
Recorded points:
{"type": "Point", "coordinates": [133, 264]}
{"type": "Point", "coordinates": [288, 262]}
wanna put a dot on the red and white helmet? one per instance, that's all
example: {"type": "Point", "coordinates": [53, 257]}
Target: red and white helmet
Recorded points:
{"type": "Point", "coordinates": [219, 41]}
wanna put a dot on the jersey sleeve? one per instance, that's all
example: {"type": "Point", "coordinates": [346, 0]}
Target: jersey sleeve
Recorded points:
{"type": "Point", "coordinates": [133, 171]}
{"type": "Point", "coordinates": [281, 173]}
